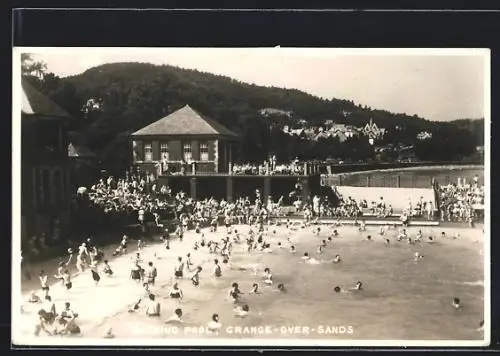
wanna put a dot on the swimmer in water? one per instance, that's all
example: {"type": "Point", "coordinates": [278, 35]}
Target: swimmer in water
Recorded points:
{"type": "Point", "coordinates": [329, 239]}
{"type": "Point", "coordinates": [335, 233]}
{"type": "Point", "coordinates": [410, 241]}
{"type": "Point", "coordinates": [255, 289]}
{"type": "Point", "coordinates": [387, 242]}
{"type": "Point", "coordinates": [292, 249]}
{"type": "Point", "coordinates": [382, 230]}
{"type": "Point", "coordinates": [281, 288]}
{"type": "Point", "coordinates": [176, 318]}
{"type": "Point", "coordinates": [323, 243]}
{"type": "Point", "coordinates": [214, 325]}
{"type": "Point", "coordinates": [419, 235]}
{"type": "Point", "coordinates": [418, 257]}
{"type": "Point", "coordinates": [481, 326]}
{"type": "Point", "coordinates": [320, 249]}
{"type": "Point", "coordinates": [279, 245]}
{"type": "Point", "coordinates": [337, 259]}
{"type": "Point", "coordinates": [241, 311]}
{"type": "Point", "coordinates": [195, 278]}
{"type": "Point", "coordinates": [176, 292]}
{"type": "Point", "coordinates": [430, 239]}
{"type": "Point", "coordinates": [306, 256]}
{"type": "Point", "coordinates": [457, 235]}
{"type": "Point", "coordinates": [357, 287]}
{"type": "Point", "coordinates": [107, 269]}
{"type": "Point", "coordinates": [234, 293]}
{"type": "Point", "coordinates": [369, 238]}
{"type": "Point", "coordinates": [268, 277]}
{"type": "Point", "coordinates": [456, 303]}
{"type": "Point", "coordinates": [109, 334]}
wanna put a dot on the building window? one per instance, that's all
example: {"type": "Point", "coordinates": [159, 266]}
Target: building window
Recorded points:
{"type": "Point", "coordinates": [164, 152]}
{"type": "Point", "coordinates": [203, 151]}
{"type": "Point", "coordinates": [148, 152]}
{"type": "Point", "coordinates": [187, 153]}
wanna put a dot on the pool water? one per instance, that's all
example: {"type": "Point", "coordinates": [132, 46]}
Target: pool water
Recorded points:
{"type": "Point", "coordinates": [402, 299]}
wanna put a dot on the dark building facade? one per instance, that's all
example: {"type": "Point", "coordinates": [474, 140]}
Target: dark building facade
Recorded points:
{"type": "Point", "coordinates": [45, 175]}
{"type": "Point", "coordinates": [184, 141]}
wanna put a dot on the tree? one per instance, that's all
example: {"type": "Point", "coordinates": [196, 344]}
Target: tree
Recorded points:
{"type": "Point", "coordinates": [31, 67]}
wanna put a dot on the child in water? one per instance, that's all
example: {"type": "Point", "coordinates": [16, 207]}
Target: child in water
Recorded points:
{"type": "Point", "coordinates": [195, 278]}
{"type": "Point", "coordinates": [241, 311]}
{"type": "Point", "coordinates": [268, 277]}
{"type": "Point", "coordinates": [107, 269]}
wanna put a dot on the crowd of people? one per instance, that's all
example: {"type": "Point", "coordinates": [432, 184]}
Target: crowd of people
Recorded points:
{"type": "Point", "coordinates": [270, 167]}
{"type": "Point", "coordinates": [462, 201]}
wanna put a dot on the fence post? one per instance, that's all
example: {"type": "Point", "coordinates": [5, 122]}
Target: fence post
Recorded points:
{"type": "Point", "coordinates": [368, 181]}
{"type": "Point", "coordinates": [267, 189]}
{"type": "Point", "coordinates": [229, 189]}
{"type": "Point", "coordinates": [398, 179]}
{"type": "Point", "coordinates": [192, 182]}
{"type": "Point", "coordinates": [193, 169]}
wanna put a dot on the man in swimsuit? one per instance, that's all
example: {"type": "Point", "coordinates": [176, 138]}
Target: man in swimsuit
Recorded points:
{"type": "Point", "coordinates": [153, 308]}
{"type": "Point", "coordinates": [151, 273]}
{"type": "Point", "coordinates": [179, 268]}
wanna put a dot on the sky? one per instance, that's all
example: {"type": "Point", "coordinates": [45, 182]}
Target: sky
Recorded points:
{"type": "Point", "coordinates": [437, 85]}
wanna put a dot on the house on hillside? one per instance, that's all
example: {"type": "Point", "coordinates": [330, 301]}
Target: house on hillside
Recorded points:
{"type": "Point", "coordinates": [424, 135]}
{"type": "Point", "coordinates": [275, 112]}
{"type": "Point", "coordinates": [297, 132]}
{"type": "Point", "coordinates": [45, 173]}
{"type": "Point", "coordinates": [341, 136]}
{"type": "Point", "coordinates": [372, 131]}
{"type": "Point", "coordinates": [184, 141]}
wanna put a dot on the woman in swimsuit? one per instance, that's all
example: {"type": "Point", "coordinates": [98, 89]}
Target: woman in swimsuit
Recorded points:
{"type": "Point", "coordinates": [176, 292]}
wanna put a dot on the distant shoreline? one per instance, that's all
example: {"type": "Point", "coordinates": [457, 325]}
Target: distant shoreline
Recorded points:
{"type": "Point", "coordinates": [418, 168]}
